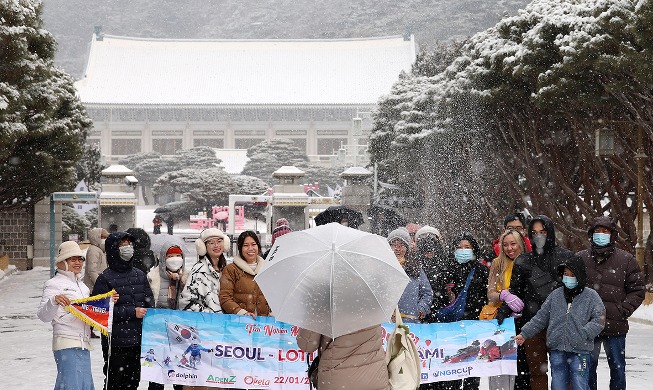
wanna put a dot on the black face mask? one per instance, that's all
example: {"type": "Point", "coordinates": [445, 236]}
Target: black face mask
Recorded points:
{"type": "Point", "coordinates": [429, 245]}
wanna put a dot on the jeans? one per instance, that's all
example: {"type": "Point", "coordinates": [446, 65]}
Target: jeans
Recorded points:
{"type": "Point", "coordinates": [615, 350]}
{"type": "Point", "coordinates": [569, 368]}
{"type": "Point", "coordinates": [73, 369]}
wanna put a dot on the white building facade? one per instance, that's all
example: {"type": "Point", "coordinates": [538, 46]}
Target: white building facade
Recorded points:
{"type": "Point", "coordinates": [164, 95]}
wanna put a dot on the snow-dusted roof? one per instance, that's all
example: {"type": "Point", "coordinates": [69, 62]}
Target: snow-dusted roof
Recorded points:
{"type": "Point", "coordinates": [117, 170]}
{"type": "Point", "coordinates": [233, 160]}
{"type": "Point", "coordinates": [356, 171]}
{"type": "Point", "coordinates": [288, 170]}
{"type": "Point", "coordinates": [123, 70]}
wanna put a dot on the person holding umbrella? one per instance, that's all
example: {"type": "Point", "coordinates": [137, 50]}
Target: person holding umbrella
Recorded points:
{"type": "Point", "coordinates": [415, 303]}
{"type": "Point", "coordinates": [310, 279]}
{"type": "Point", "coordinates": [239, 292]}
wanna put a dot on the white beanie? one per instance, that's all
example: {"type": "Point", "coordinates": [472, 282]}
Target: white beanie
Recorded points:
{"type": "Point", "coordinates": [428, 230]}
{"type": "Point", "coordinates": [67, 250]}
{"type": "Point", "coordinates": [399, 234]}
{"type": "Point", "coordinates": [206, 235]}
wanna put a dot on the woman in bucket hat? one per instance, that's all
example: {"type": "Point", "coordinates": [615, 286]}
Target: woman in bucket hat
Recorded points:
{"type": "Point", "coordinates": [70, 335]}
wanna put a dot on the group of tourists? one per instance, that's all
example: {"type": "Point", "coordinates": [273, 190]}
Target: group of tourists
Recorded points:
{"type": "Point", "coordinates": [566, 306]}
{"type": "Point", "coordinates": [211, 285]}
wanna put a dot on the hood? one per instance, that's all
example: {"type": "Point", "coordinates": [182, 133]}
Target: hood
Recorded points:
{"type": "Point", "coordinates": [576, 264]}
{"type": "Point", "coordinates": [113, 254]}
{"type": "Point", "coordinates": [466, 236]}
{"type": "Point", "coordinates": [605, 222]}
{"type": "Point", "coordinates": [94, 236]}
{"type": "Point", "coordinates": [167, 244]}
{"type": "Point", "coordinates": [550, 231]}
{"type": "Point", "coordinates": [141, 238]}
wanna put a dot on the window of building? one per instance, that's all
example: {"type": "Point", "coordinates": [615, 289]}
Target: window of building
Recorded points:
{"type": "Point", "coordinates": [166, 146]}
{"type": "Point", "coordinates": [124, 147]}
{"type": "Point", "coordinates": [217, 143]}
{"type": "Point", "coordinates": [300, 143]}
{"type": "Point", "coordinates": [246, 143]}
{"type": "Point", "coordinates": [329, 145]}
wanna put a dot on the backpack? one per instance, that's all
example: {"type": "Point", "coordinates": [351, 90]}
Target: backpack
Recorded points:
{"type": "Point", "coordinates": [402, 359]}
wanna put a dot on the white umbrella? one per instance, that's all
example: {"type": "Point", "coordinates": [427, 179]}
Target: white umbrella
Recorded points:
{"type": "Point", "coordinates": [332, 279]}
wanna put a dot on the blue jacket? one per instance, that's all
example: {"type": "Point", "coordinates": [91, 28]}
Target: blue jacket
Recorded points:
{"type": "Point", "coordinates": [417, 296]}
{"type": "Point", "coordinates": [134, 289]}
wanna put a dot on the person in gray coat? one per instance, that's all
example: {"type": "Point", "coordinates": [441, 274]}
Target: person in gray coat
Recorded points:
{"type": "Point", "coordinates": [573, 315]}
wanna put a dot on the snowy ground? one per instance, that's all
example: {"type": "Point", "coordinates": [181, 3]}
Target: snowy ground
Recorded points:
{"type": "Point", "coordinates": [27, 361]}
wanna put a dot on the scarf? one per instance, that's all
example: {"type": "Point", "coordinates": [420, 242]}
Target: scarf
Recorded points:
{"type": "Point", "coordinates": [174, 277]}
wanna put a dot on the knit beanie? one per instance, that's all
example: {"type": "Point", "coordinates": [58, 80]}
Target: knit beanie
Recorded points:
{"type": "Point", "coordinates": [281, 222]}
{"type": "Point", "coordinates": [427, 230]}
{"type": "Point", "coordinates": [280, 231]}
{"type": "Point", "coordinates": [400, 234]}
{"type": "Point", "coordinates": [174, 250]}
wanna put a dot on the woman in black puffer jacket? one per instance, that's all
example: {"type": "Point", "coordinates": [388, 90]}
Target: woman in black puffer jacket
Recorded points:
{"type": "Point", "coordinates": [122, 369]}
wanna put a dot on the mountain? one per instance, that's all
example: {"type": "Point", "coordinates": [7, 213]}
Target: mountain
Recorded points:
{"type": "Point", "coordinates": [72, 21]}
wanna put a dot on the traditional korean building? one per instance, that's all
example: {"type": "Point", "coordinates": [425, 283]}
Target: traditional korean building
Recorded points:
{"type": "Point", "coordinates": [164, 95]}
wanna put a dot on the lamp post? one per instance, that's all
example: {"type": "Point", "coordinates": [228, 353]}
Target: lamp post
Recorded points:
{"type": "Point", "coordinates": [604, 146]}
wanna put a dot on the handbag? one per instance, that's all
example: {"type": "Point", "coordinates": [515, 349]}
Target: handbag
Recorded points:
{"type": "Point", "coordinates": [402, 358]}
{"type": "Point", "coordinates": [456, 309]}
{"type": "Point", "coordinates": [490, 311]}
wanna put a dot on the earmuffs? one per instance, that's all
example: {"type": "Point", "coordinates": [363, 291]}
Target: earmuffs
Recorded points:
{"type": "Point", "coordinates": [208, 234]}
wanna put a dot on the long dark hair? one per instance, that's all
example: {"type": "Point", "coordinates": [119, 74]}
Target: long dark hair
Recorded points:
{"type": "Point", "coordinates": [241, 241]}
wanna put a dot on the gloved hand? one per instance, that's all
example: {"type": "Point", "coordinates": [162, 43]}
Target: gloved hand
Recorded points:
{"type": "Point", "coordinates": [513, 301]}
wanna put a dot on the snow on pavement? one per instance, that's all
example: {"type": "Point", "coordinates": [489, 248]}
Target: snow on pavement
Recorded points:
{"type": "Point", "coordinates": [26, 342]}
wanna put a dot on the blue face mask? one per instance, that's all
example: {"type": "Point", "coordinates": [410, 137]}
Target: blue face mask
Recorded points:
{"type": "Point", "coordinates": [601, 239]}
{"type": "Point", "coordinates": [464, 255]}
{"type": "Point", "coordinates": [569, 281]}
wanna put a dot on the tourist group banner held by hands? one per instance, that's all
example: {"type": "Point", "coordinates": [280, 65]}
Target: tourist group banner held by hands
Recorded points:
{"type": "Point", "coordinates": [224, 350]}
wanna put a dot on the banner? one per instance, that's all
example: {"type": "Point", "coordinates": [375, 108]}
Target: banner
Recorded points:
{"type": "Point", "coordinates": [97, 311]}
{"type": "Point", "coordinates": [230, 351]}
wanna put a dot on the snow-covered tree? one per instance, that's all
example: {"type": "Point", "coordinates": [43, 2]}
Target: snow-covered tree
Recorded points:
{"type": "Point", "coordinates": [197, 157]}
{"type": "Point", "coordinates": [270, 155]}
{"type": "Point", "coordinates": [43, 126]}
{"type": "Point", "coordinates": [89, 167]}
{"type": "Point", "coordinates": [518, 110]}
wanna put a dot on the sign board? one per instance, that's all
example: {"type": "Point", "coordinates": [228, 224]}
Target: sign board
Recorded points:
{"type": "Point", "coordinates": [74, 197]}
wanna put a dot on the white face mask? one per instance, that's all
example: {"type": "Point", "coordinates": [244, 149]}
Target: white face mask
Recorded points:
{"type": "Point", "coordinates": [126, 252]}
{"type": "Point", "coordinates": [174, 263]}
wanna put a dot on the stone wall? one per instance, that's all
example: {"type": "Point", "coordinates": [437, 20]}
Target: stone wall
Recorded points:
{"type": "Point", "coordinates": [17, 236]}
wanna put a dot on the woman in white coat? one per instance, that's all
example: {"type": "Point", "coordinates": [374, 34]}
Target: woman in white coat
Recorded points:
{"type": "Point", "coordinates": [70, 342]}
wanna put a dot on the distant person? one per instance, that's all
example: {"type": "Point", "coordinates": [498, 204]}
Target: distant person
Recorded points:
{"type": "Point", "coordinates": [113, 228]}
{"type": "Point", "coordinates": [412, 231]}
{"type": "Point", "coordinates": [96, 259]}
{"type": "Point", "coordinates": [70, 335]}
{"type": "Point", "coordinates": [157, 222]}
{"type": "Point", "coordinates": [144, 258]}
{"type": "Point", "coordinates": [616, 276]}
{"type": "Point", "coordinates": [122, 367]}
{"type": "Point", "coordinates": [170, 223]}
{"type": "Point", "coordinates": [281, 227]}
{"type": "Point", "coordinates": [572, 316]}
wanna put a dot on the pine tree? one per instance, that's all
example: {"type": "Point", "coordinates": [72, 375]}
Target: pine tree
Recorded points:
{"type": "Point", "coordinates": [43, 126]}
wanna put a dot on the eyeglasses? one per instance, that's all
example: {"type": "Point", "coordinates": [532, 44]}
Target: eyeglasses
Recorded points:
{"type": "Point", "coordinates": [217, 241]}
{"type": "Point", "coordinates": [75, 259]}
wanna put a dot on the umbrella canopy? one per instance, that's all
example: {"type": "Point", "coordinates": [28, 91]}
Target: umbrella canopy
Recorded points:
{"type": "Point", "coordinates": [336, 213]}
{"type": "Point", "coordinates": [161, 210]}
{"type": "Point", "coordinates": [332, 279]}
